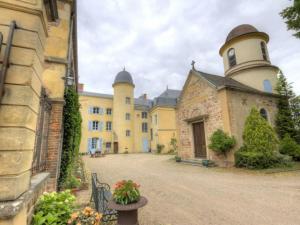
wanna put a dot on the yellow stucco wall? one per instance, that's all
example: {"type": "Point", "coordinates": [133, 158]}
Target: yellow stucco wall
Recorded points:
{"type": "Point", "coordinates": [164, 128]}
{"type": "Point", "coordinates": [104, 103]}
{"type": "Point", "coordinates": [141, 139]}
{"type": "Point", "coordinates": [120, 107]}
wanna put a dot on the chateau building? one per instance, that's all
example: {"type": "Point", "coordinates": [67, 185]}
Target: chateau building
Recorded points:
{"type": "Point", "coordinates": [38, 58]}
{"type": "Point", "coordinates": [209, 102]}
{"type": "Point", "coordinates": [120, 123]}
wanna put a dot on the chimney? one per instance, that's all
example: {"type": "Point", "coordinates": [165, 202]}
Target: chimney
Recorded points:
{"type": "Point", "coordinates": [145, 96]}
{"type": "Point", "coordinates": [80, 87]}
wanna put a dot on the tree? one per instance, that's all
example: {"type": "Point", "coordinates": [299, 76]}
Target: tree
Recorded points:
{"type": "Point", "coordinates": [284, 118]}
{"type": "Point", "coordinates": [258, 135]}
{"type": "Point", "coordinates": [292, 17]}
{"type": "Point", "coordinates": [295, 108]}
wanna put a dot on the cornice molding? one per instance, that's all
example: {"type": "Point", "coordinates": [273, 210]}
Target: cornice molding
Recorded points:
{"type": "Point", "coordinates": [24, 9]}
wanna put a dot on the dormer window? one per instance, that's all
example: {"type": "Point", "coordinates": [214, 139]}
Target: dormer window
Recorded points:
{"type": "Point", "coordinates": [264, 50]}
{"type": "Point", "coordinates": [231, 57]}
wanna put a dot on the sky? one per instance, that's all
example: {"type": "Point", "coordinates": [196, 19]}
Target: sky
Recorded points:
{"type": "Point", "coordinates": [156, 40]}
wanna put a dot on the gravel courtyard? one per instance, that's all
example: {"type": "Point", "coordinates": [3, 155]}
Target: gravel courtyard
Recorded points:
{"type": "Point", "coordinates": [181, 194]}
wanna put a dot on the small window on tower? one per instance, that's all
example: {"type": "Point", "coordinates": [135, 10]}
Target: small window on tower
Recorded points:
{"type": "Point", "coordinates": [267, 86]}
{"type": "Point", "coordinates": [264, 50]}
{"type": "Point", "coordinates": [231, 57]}
{"type": "Point", "coordinates": [127, 100]}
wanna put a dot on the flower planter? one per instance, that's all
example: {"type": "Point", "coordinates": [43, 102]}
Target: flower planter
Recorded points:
{"type": "Point", "coordinates": [128, 214]}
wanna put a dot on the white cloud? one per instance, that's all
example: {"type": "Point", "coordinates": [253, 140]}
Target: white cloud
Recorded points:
{"type": "Point", "coordinates": [157, 39]}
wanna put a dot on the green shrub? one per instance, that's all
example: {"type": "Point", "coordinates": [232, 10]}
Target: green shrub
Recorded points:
{"type": "Point", "coordinates": [258, 135]}
{"type": "Point", "coordinates": [221, 143]}
{"type": "Point", "coordinates": [126, 192]}
{"type": "Point", "coordinates": [177, 158]}
{"type": "Point", "coordinates": [71, 182]}
{"type": "Point", "coordinates": [288, 146]}
{"type": "Point", "coordinates": [260, 149]}
{"type": "Point", "coordinates": [54, 208]}
{"type": "Point", "coordinates": [173, 145]}
{"type": "Point", "coordinates": [254, 160]}
{"type": "Point", "coordinates": [159, 148]}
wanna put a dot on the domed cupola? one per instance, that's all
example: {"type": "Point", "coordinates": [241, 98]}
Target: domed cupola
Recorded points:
{"type": "Point", "coordinates": [244, 47]}
{"type": "Point", "coordinates": [246, 59]}
{"type": "Point", "coordinates": [123, 77]}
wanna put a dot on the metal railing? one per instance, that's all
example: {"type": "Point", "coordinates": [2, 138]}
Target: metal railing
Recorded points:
{"type": "Point", "coordinates": [5, 63]}
{"type": "Point", "coordinates": [41, 143]}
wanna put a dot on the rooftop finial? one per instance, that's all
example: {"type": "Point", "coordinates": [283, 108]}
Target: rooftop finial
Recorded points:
{"type": "Point", "coordinates": [193, 64]}
{"type": "Point", "coordinates": [167, 87]}
{"type": "Point", "coordinates": [124, 68]}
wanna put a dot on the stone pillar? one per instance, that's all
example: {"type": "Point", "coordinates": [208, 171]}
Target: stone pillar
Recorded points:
{"type": "Point", "coordinates": [55, 136]}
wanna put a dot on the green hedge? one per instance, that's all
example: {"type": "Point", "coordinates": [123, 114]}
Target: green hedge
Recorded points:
{"type": "Point", "coordinates": [259, 160]}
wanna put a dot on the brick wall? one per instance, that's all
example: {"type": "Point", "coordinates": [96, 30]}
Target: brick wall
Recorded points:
{"type": "Point", "coordinates": [54, 143]}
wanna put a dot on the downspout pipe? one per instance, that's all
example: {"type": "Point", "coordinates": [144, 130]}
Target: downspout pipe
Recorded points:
{"type": "Point", "coordinates": [5, 63]}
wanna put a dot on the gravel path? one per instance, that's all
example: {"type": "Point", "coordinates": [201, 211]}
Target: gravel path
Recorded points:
{"type": "Point", "coordinates": [181, 194]}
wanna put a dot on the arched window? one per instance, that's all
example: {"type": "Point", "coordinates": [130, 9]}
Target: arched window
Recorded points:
{"type": "Point", "coordinates": [231, 57]}
{"type": "Point", "coordinates": [263, 113]}
{"type": "Point", "coordinates": [264, 50]}
{"type": "Point", "coordinates": [267, 86]}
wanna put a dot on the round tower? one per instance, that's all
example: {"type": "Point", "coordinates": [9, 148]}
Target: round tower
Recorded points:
{"type": "Point", "coordinates": [246, 59]}
{"type": "Point", "coordinates": [123, 112]}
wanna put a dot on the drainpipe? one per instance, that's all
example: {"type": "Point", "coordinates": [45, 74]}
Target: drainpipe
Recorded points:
{"type": "Point", "coordinates": [5, 63]}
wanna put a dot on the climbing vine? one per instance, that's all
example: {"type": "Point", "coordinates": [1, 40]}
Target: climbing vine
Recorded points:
{"type": "Point", "coordinates": [72, 133]}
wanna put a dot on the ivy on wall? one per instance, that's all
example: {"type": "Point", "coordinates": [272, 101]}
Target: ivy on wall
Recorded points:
{"type": "Point", "coordinates": [72, 133]}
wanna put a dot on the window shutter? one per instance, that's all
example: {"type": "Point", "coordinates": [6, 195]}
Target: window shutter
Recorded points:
{"type": "Point", "coordinates": [101, 111]}
{"type": "Point", "coordinates": [89, 144]}
{"type": "Point", "coordinates": [90, 125]}
{"type": "Point", "coordinates": [100, 127]}
{"type": "Point", "coordinates": [100, 143]}
{"type": "Point", "coordinates": [90, 109]}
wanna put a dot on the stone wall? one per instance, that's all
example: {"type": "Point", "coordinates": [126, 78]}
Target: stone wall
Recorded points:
{"type": "Point", "coordinates": [199, 101]}
{"type": "Point", "coordinates": [240, 104]}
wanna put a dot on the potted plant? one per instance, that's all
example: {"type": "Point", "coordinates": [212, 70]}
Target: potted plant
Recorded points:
{"type": "Point", "coordinates": [86, 216]}
{"type": "Point", "coordinates": [127, 200]}
{"type": "Point", "coordinates": [177, 158]}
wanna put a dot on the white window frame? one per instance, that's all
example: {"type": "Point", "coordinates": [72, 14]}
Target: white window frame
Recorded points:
{"type": "Point", "coordinates": [127, 116]}
{"type": "Point", "coordinates": [108, 111]}
{"type": "Point", "coordinates": [128, 133]}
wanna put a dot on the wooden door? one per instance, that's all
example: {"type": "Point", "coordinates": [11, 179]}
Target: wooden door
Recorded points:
{"type": "Point", "coordinates": [199, 140]}
{"type": "Point", "coordinates": [116, 147]}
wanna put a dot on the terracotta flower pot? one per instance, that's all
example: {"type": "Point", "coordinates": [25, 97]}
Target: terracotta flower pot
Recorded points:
{"type": "Point", "coordinates": [128, 214]}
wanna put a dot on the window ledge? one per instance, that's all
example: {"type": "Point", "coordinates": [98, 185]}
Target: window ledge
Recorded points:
{"type": "Point", "coordinates": [10, 209]}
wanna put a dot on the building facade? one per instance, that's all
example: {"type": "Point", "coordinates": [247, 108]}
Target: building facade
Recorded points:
{"type": "Point", "coordinates": [209, 102]}
{"type": "Point", "coordinates": [38, 55]}
{"type": "Point", "coordinates": [120, 123]}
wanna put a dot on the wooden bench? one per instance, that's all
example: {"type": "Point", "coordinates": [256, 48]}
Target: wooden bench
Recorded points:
{"type": "Point", "coordinates": [101, 194]}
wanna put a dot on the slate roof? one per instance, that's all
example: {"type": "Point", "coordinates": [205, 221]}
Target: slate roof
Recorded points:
{"type": "Point", "coordinates": [94, 94]}
{"type": "Point", "coordinates": [141, 103]}
{"type": "Point", "coordinates": [168, 98]}
{"type": "Point", "coordinates": [123, 77]}
{"type": "Point", "coordinates": [221, 82]}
